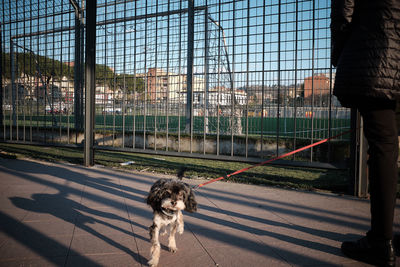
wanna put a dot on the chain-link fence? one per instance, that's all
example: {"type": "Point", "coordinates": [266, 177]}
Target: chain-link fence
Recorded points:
{"type": "Point", "coordinates": [236, 78]}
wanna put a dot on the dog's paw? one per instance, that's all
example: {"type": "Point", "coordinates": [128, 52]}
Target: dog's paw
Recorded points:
{"type": "Point", "coordinates": [173, 249]}
{"type": "Point", "coordinates": [180, 229]}
{"type": "Point", "coordinates": [152, 263]}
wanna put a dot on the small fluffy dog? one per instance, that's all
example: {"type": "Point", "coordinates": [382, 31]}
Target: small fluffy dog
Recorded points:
{"type": "Point", "coordinates": [168, 197]}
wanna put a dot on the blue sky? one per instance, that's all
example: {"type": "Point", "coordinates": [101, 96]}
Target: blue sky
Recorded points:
{"type": "Point", "coordinates": [146, 42]}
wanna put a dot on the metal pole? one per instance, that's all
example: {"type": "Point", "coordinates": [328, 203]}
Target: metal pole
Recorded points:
{"type": "Point", "coordinates": [114, 78]}
{"type": "Point", "coordinates": [279, 80]}
{"type": "Point", "coordinates": [105, 82]}
{"type": "Point", "coordinates": [61, 82]}
{"type": "Point", "coordinates": [330, 113]}
{"type": "Point", "coordinates": [68, 101]}
{"type": "Point", "coordinates": [52, 90]}
{"type": "Point", "coordinates": [312, 80]}
{"type": "Point", "coordinates": [24, 108]}
{"type": "Point", "coordinates": [124, 84]}
{"type": "Point", "coordinates": [17, 86]}
{"type": "Point", "coordinates": [90, 81]}
{"type": "Point", "coordinates": [156, 101]}
{"type": "Point", "coordinates": [2, 89]}
{"type": "Point", "coordinates": [134, 85]}
{"type": "Point", "coordinates": [190, 55]}
{"type": "Point", "coordinates": [39, 77]}
{"type": "Point", "coordinates": [263, 85]}
{"type": "Point", "coordinates": [47, 77]}
{"type": "Point", "coordinates": [13, 87]}
{"type": "Point", "coordinates": [206, 80]}
{"type": "Point", "coordinates": [219, 79]}
{"type": "Point", "coordinates": [168, 81]}
{"type": "Point", "coordinates": [1, 79]}
{"type": "Point", "coordinates": [233, 99]}
{"type": "Point", "coordinates": [180, 79]}
{"type": "Point", "coordinates": [146, 83]}
{"type": "Point", "coordinates": [77, 73]}
{"type": "Point", "coordinates": [295, 77]}
{"type": "Point", "coordinates": [362, 173]}
{"type": "Point", "coordinates": [82, 70]}
{"type": "Point", "coordinates": [247, 77]}
{"type": "Point", "coordinates": [358, 157]}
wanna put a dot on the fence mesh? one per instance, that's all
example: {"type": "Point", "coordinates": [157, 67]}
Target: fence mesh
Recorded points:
{"type": "Point", "coordinates": [247, 78]}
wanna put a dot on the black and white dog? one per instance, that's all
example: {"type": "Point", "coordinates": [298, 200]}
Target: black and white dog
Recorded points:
{"type": "Point", "coordinates": [168, 197]}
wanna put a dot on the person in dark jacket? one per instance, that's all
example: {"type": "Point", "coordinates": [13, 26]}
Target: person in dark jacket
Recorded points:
{"type": "Point", "coordinates": [366, 52]}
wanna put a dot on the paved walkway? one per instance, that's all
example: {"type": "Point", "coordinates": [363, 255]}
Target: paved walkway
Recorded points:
{"type": "Point", "coordinates": [54, 214]}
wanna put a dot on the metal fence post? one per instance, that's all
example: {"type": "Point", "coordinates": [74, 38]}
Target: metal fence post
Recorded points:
{"type": "Point", "coordinates": [77, 67]}
{"type": "Point", "coordinates": [1, 79]}
{"type": "Point", "coordinates": [13, 87]}
{"type": "Point", "coordinates": [77, 70]}
{"type": "Point", "coordinates": [90, 82]}
{"type": "Point", "coordinates": [190, 52]}
{"type": "Point", "coordinates": [358, 156]}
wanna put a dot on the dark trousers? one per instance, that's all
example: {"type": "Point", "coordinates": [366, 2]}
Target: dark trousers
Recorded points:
{"type": "Point", "coordinates": [381, 133]}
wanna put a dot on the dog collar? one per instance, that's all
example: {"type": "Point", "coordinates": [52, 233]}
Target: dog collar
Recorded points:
{"type": "Point", "coordinates": [165, 211]}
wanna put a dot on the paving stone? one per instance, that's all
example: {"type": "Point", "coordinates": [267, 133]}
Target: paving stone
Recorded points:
{"type": "Point", "coordinates": [100, 243]}
{"type": "Point", "coordinates": [36, 262]}
{"type": "Point", "coordinates": [54, 214]}
{"type": "Point", "coordinates": [106, 259]}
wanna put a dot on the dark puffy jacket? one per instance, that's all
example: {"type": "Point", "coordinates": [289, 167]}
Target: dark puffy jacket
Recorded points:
{"type": "Point", "coordinates": [366, 49]}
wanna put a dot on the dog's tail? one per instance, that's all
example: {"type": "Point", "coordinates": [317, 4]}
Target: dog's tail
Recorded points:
{"type": "Point", "coordinates": [181, 172]}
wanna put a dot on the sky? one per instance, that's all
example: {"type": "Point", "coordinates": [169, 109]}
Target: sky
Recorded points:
{"type": "Point", "coordinates": [260, 36]}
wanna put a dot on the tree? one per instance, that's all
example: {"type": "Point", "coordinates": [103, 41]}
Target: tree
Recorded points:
{"type": "Point", "coordinates": [132, 83]}
{"type": "Point", "coordinates": [31, 64]}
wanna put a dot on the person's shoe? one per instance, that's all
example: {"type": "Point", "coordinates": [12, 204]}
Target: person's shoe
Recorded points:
{"type": "Point", "coordinates": [396, 244]}
{"type": "Point", "coordinates": [379, 253]}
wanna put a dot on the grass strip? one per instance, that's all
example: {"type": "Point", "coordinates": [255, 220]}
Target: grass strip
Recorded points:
{"type": "Point", "coordinates": [336, 181]}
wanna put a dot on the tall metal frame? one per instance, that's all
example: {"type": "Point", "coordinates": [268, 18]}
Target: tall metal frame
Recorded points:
{"type": "Point", "coordinates": [217, 64]}
{"type": "Point", "coordinates": [90, 81]}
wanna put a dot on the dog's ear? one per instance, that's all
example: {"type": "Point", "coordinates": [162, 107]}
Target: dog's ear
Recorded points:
{"type": "Point", "coordinates": [190, 203]}
{"type": "Point", "coordinates": [155, 195]}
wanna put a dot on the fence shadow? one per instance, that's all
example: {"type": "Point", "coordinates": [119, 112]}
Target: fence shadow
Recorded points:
{"type": "Point", "coordinates": [100, 185]}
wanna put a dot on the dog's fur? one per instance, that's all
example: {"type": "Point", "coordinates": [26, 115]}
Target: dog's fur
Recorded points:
{"type": "Point", "coordinates": [168, 197]}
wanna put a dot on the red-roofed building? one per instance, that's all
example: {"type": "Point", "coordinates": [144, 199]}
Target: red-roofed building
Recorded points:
{"type": "Point", "coordinates": [318, 84]}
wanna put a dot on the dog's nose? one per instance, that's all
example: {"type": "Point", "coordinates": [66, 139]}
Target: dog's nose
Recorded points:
{"type": "Point", "coordinates": [173, 203]}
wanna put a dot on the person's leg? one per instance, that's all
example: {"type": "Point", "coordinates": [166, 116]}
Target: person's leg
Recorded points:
{"type": "Point", "coordinates": [381, 132]}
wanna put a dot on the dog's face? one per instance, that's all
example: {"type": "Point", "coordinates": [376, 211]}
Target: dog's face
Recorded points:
{"type": "Point", "coordinates": [168, 196]}
{"type": "Point", "coordinates": [173, 199]}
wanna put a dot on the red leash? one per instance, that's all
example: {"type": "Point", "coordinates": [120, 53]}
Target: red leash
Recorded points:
{"type": "Point", "coordinates": [270, 160]}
